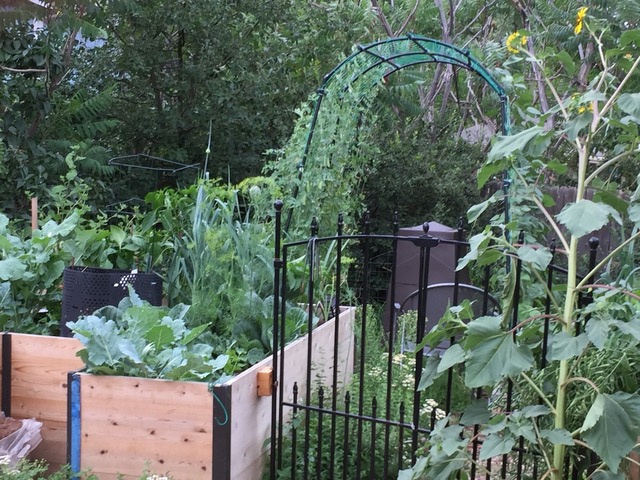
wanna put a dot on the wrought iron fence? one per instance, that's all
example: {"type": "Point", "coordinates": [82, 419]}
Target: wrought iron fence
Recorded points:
{"type": "Point", "coordinates": [376, 424]}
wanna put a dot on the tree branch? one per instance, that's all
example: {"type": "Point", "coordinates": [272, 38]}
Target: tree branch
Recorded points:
{"type": "Point", "coordinates": [408, 19]}
{"type": "Point", "coordinates": [24, 70]}
{"type": "Point", "coordinates": [382, 17]}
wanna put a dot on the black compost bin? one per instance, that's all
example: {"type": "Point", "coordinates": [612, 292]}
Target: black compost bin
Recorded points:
{"type": "Point", "coordinates": [87, 289]}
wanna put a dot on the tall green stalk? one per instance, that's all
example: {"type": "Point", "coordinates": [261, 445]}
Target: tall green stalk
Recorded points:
{"type": "Point", "coordinates": [583, 148]}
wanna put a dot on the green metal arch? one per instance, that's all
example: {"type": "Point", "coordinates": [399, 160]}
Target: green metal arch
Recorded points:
{"type": "Point", "coordinates": [383, 58]}
{"type": "Point", "coordinates": [401, 52]}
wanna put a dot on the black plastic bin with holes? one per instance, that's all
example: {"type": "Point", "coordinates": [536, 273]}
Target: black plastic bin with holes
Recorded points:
{"type": "Point", "coordinates": [87, 289]}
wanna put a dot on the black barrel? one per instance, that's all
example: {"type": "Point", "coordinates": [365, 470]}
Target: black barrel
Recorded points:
{"type": "Point", "coordinates": [87, 289]}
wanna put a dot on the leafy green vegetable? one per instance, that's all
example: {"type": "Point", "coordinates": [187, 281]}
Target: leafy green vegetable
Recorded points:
{"type": "Point", "coordinates": [141, 340]}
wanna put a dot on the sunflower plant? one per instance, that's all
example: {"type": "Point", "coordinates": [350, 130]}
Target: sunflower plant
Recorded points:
{"type": "Point", "coordinates": [582, 402]}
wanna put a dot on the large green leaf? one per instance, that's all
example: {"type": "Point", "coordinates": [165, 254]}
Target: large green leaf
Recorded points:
{"type": "Point", "coordinates": [160, 336]}
{"type": "Point", "coordinates": [611, 426]}
{"type": "Point", "coordinates": [416, 472]}
{"type": "Point", "coordinates": [489, 170]}
{"type": "Point", "coordinates": [585, 216]}
{"type": "Point", "coordinates": [443, 466]}
{"type": "Point", "coordinates": [539, 257]}
{"type": "Point", "coordinates": [101, 340]}
{"type": "Point", "coordinates": [629, 37]}
{"type": "Point", "coordinates": [630, 104]}
{"type": "Point", "coordinates": [567, 62]}
{"type": "Point", "coordinates": [532, 411]}
{"type": "Point", "coordinates": [5, 244]}
{"type": "Point", "coordinates": [12, 269]}
{"type": "Point", "coordinates": [118, 235]}
{"type": "Point", "coordinates": [52, 229]}
{"type": "Point", "coordinates": [53, 273]}
{"type": "Point", "coordinates": [130, 352]}
{"type": "Point", "coordinates": [482, 328]}
{"type": "Point", "coordinates": [574, 126]}
{"type": "Point", "coordinates": [532, 140]}
{"type": "Point", "coordinates": [597, 330]}
{"type": "Point", "coordinates": [564, 346]}
{"type": "Point", "coordinates": [475, 211]}
{"type": "Point", "coordinates": [494, 358]}
{"type": "Point", "coordinates": [140, 320]}
{"type": "Point", "coordinates": [613, 199]}
{"type": "Point", "coordinates": [634, 214]}
{"type": "Point", "coordinates": [608, 475]}
{"type": "Point", "coordinates": [194, 333]}
{"type": "Point", "coordinates": [477, 245]}
{"type": "Point", "coordinates": [453, 356]}
{"type": "Point", "coordinates": [430, 372]}
{"type": "Point", "coordinates": [477, 412]}
{"type": "Point", "coordinates": [558, 436]}
{"type": "Point", "coordinates": [632, 327]}
{"type": "Point", "coordinates": [495, 445]}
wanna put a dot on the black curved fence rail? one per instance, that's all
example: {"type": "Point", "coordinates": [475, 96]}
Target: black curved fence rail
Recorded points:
{"type": "Point", "coordinates": [377, 422]}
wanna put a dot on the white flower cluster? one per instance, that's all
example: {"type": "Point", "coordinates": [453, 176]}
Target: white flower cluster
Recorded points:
{"type": "Point", "coordinates": [5, 460]}
{"type": "Point", "coordinates": [429, 406]}
{"type": "Point", "coordinates": [404, 359]}
{"type": "Point", "coordinates": [158, 477]}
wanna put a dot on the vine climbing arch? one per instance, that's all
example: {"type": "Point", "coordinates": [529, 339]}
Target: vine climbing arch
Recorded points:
{"type": "Point", "coordinates": [362, 72]}
{"type": "Point", "coordinates": [346, 92]}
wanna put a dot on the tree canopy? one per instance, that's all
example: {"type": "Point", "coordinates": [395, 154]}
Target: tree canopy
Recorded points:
{"type": "Point", "coordinates": [224, 82]}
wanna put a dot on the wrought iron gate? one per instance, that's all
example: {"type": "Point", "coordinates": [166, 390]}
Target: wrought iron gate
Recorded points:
{"type": "Point", "coordinates": [349, 406]}
{"type": "Point", "coordinates": [344, 414]}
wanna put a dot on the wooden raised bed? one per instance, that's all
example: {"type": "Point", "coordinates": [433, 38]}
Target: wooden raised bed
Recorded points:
{"type": "Point", "coordinates": [122, 425]}
{"type": "Point", "coordinates": [34, 385]}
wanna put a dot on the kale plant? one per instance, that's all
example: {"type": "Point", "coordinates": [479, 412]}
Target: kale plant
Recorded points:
{"type": "Point", "coordinates": [137, 339]}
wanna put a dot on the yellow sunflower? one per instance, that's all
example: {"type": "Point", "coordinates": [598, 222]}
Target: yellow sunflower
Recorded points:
{"type": "Point", "coordinates": [580, 19]}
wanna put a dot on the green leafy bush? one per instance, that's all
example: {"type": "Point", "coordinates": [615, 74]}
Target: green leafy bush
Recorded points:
{"type": "Point", "coordinates": [137, 339]}
{"type": "Point", "coordinates": [30, 271]}
{"type": "Point", "coordinates": [38, 470]}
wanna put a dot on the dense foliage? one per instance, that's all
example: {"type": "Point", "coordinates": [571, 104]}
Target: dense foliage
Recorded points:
{"type": "Point", "coordinates": [228, 86]}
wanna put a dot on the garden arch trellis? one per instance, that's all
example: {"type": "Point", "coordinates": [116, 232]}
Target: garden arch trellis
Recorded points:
{"type": "Point", "coordinates": [366, 67]}
{"type": "Point", "coordinates": [371, 63]}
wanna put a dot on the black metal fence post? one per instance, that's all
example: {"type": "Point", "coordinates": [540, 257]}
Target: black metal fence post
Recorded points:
{"type": "Point", "coordinates": [277, 266]}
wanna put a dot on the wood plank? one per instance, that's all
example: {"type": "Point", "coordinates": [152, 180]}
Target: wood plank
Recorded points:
{"type": "Point", "coordinates": [253, 413]}
{"type": "Point", "coordinates": [53, 447]}
{"type": "Point", "coordinates": [39, 367]}
{"type": "Point", "coordinates": [130, 423]}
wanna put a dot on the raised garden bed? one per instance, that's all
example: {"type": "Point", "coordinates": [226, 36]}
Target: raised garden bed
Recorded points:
{"type": "Point", "coordinates": [34, 385]}
{"type": "Point", "coordinates": [122, 425]}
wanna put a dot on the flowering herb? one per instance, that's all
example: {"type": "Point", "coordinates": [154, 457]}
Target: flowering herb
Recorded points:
{"type": "Point", "coordinates": [515, 41]}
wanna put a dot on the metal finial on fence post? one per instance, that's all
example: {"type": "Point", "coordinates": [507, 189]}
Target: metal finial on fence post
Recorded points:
{"type": "Point", "coordinates": [396, 223]}
{"type": "Point", "coordinates": [367, 222]}
{"type": "Point", "coordinates": [340, 223]}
